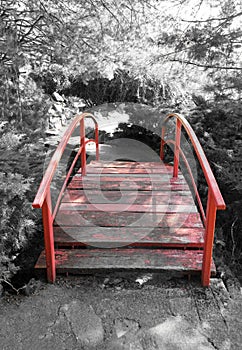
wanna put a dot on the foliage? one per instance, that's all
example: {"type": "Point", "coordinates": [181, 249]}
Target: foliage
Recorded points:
{"type": "Point", "coordinates": [21, 161]}
{"type": "Point", "coordinates": [123, 87]}
{"type": "Point", "coordinates": [222, 145]}
{"type": "Point", "coordinates": [17, 223]}
{"type": "Point", "coordinates": [209, 41]}
{"type": "Point", "coordinates": [154, 52]}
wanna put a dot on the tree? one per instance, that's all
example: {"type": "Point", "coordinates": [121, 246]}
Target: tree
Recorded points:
{"type": "Point", "coordinates": [212, 43]}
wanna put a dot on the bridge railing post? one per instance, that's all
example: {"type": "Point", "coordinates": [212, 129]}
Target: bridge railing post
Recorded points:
{"type": "Point", "coordinates": [163, 142]}
{"type": "Point", "coordinates": [97, 142]}
{"type": "Point", "coordinates": [49, 238]}
{"type": "Point", "coordinates": [83, 145]}
{"type": "Point", "coordinates": [208, 239]}
{"type": "Point", "coordinates": [177, 148]}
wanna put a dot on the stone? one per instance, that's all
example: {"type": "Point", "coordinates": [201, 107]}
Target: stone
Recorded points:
{"type": "Point", "coordinates": [84, 323]}
{"type": "Point", "coordinates": [58, 97]}
{"type": "Point", "coordinates": [123, 326]}
{"type": "Point", "coordinates": [174, 333]}
{"type": "Point", "coordinates": [58, 107]}
{"type": "Point", "coordinates": [31, 287]}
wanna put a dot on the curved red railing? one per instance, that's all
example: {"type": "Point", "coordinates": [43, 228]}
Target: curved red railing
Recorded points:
{"type": "Point", "coordinates": [215, 200]}
{"type": "Point", "coordinates": [43, 196]}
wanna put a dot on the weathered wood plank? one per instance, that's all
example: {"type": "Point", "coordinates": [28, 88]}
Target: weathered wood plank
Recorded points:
{"type": "Point", "coordinates": [92, 260]}
{"type": "Point", "coordinates": [126, 164]}
{"type": "Point", "coordinates": [80, 196]}
{"type": "Point", "coordinates": [127, 170]}
{"type": "Point", "coordinates": [158, 176]}
{"type": "Point", "coordinates": [96, 218]}
{"type": "Point", "coordinates": [129, 178]}
{"type": "Point", "coordinates": [128, 186]}
{"type": "Point", "coordinates": [162, 178]}
{"type": "Point", "coordinates": [118, 236]}
{"type": "Point", "coordinates": [139, 208]}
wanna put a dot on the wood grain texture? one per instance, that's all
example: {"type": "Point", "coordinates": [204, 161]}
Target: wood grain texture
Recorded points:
{"type": "Point", "coordinates": [135, 236]}
{"type": "Point", "coordinates": [96, 218]}
{"type": "Point", "coordinates": [92, 260]}
{"type": "Point", "coordinates": [125, 164]}
{"type": "Point", "coordinates": [128, 185]}
{"type": "Point", "coordinates": [140, 197]}
{"type": "Point", "coordinates": [151, 178]}
{"type": "Point", "coordinates": [122, 207]}
{"type": "Point", "coordinates": [127, 170]}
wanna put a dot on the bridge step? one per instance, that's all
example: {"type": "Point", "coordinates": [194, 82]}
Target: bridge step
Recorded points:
{"type": "Point", "coordinates": [136, 236]}
{"type": "Point", "coordinates": [140, 197]}
{"type": "Point", "coordinates": [120, 219]}
{"type": "Point", "coordinates": [94, 260]}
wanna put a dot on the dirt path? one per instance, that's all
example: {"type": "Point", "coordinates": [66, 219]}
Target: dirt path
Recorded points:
{"type": "Point", "coordinates": [116, 312]}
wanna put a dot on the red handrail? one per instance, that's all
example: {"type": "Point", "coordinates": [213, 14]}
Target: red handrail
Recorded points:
{"type": "Point", "coordinates": [50, 171]}
{"type": "Point", "coordinates": [212, 183]}
{"type": "Point", "coordinates": [215, 200]}
{"type": "Point", "coordinates": [43, 196]}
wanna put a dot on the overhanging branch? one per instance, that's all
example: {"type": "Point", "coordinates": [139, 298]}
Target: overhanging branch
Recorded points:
{"type": "Point", "coordinates": [207, 66]}
{"type": "Point", "coordinates": [214, 19]}
{"type": "Point", "coordinates": [30, 29]}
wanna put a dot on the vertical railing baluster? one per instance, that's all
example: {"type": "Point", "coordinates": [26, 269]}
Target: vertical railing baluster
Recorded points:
{"type": "Point", "coordinates": [208, 239]}
{"type": "Point", "coordinates": [49, 238]}
{"type": "Point", "coordinates": [162, 145]}
{"type": "Point", "coordinates": [177, 148]}
{"type": "Point", "coordinates": [83, 144]}
{"type": "Point", "coordinates": [97, 142]}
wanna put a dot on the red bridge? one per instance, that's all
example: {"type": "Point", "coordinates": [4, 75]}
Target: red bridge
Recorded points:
{"type": "Point", "coordinates": [129, 215]}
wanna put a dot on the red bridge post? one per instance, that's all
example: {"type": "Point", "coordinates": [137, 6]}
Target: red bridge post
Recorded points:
{"type": "Point", "coordinates": [49, 238]}
{"type": "Point", "coordinates": [177, 148]}
{"type": "Point", "coordinates": [83, 145]}
{"type": "Point", "coordinates": [208, 241]}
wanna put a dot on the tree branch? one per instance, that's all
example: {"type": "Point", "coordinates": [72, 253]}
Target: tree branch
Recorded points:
{"type": "Point", "coordinates": [108, 9]}
{"type": "Point", "coordinates": [213, 19]}
{"type": "Point", "coordinates": [30, 29]}
{"type": "Point", "coordinates": [207, 66]}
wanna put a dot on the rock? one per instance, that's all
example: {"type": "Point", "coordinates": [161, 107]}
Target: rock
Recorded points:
{"type": "Point", "coordinates": [84, 323]}
{"type": "Point", "coordinates": [174, 333]}
{"type": "Point", "coordinates": [117, 281]}
{"type": "Point", "coordinates": [33, 286]}
{"type": "Point", "coordinates": [123, 326]}
{"type": "Point", "coordinates": [177, 333]}
{"type": "Point", "coordinates": [79, 105]}
{"type": "Point", "coordinates": [58, 97]}
{"type": "Point", "coordinates": [143, 279]}
{"type": "Point", "coordinates": [58, 108]}
{"type": "Point", "coordinates": [106, 281]}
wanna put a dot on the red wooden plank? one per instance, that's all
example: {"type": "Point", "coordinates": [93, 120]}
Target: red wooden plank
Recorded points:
{"type": "Point", "coordinates": [139, 208]}
{"type": "Point", "coordinates": [79, 218]}
{"type": "Point", "coordinates": [126, 164]}
{"type": "Point", "coordinates": [92, 260]}
{"type": "Point", "coordinates": [133, 175]}
{"type": "Point", "coordinates": [80, 196]}
{"type": "Point", "coordinates": [125, 185]}
{"type": "Point", "coordinates": [128, 170]}
{"type": "Point", "coordinates": [152, 178]}
{"type": "Point", "coordinates": [118, 236]}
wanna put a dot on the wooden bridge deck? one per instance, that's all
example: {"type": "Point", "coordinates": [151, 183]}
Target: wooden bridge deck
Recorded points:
{"type": "Point", "coordinates": [127, 215]}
